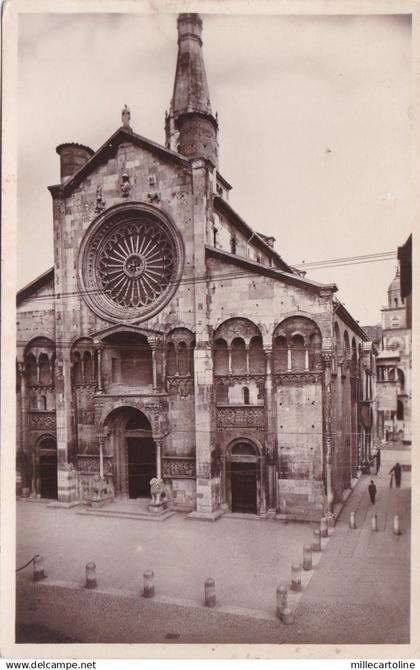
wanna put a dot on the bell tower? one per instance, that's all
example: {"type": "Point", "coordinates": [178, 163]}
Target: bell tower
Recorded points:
{"type": "Point", "coordinates": [190, 125]}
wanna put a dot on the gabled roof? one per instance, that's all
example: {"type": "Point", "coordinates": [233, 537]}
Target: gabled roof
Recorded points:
{"type": "Point", "coordinates": [121, 135]}
{"type": "Point", "coordinates": [257, 240]}
{"type": "Point", "coordinates": [257, 268]}
{"type": "Point", "coordinates": [28, 290]}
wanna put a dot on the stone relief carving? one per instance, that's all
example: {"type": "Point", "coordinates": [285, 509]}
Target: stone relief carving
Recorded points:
{"type": "Point", "coordinates": [125, 185]}
{"type": "Point", "coordinates": [298, 379]}
{"type": "Point", "coordinates": [154, 198]}
{"type": "Point", "coordinates": [88, 464]}
{"type": "Point", "coordinates": [180, 386]}
{"type": "Point", "coordinates": [43, 420]}
{"type": "Point", "coordinates": [100, 203]}
{"type": "Point", "coordinates": [228, 417]}
{"type": "Point", "coordinates": [178, 467]}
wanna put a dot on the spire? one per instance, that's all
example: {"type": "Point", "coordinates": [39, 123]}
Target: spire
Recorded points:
{"type": "Point", "coordinates": [190, 125]}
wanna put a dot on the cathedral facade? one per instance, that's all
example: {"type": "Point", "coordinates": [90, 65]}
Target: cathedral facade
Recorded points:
{"type": "Point", "coordinates": [172, 341]}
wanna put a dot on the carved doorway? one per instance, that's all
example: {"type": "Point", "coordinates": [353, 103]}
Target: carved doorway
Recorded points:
{"type": "Point", "coordinates": [141, 458]}
{"type": "Point", "coordinates": [48, 468]}
{"type": "Point", "coordinates": [244, 487]}
{"type": "Point", "coordinates": [243, 484]}
{"type": "Point", "coordinates": [133, 451]}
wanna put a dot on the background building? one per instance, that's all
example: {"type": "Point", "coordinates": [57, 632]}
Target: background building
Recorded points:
{"type": "Point", "coordinates": [394, 381]}
{"type": "Point", "coordinates": [171, 340]}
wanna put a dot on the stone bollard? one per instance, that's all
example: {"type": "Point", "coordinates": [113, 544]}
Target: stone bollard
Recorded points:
{"type": "Point", "coordinates": [396, 528]}
{"type": "Point", "coordinates": [296, 584]}
{"type": "Point", "coordinates": [284, 613]}
{"type": "Point", "coordinates": [374, 522]}
{"type": "Point", "coordinates": [210, 592]}
{"type": "Point", "coordinates": [353, 520]}
{"type": "Point", "coordinates": [316, 542]}
{"type": "Point", "coordinates": [38, 568]}
{"type": "Point", "coordinates": [148, 584]}
{"type": "Point", "coordinates": [307, 557]}
{"type": "Point", "coordinates": [281, 596]}
{"type": "Point", "coordinates": [91, 582]}
{"type": "Point", "coordinates": [324, 527]}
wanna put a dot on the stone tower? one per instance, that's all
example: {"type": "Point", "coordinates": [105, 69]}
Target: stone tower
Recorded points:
{"type": "Point", "coordinates": [190, 125]}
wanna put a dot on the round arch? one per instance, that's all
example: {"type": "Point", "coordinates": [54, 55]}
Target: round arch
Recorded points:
{"type": "Point", "coordinates": [129, 440]}
{"type": "Point", "coordinates": [45, 470]}
{"type": "Point", "coordinates": [243, 464]}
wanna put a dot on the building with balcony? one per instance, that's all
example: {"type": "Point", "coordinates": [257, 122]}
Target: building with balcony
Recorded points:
{"type": "Point", "coordinates": [394, 365]}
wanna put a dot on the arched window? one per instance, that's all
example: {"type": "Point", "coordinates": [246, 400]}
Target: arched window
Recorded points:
{"type": "Point", "coordinates": [401, 379]}
{"type": "Point", "coordinates": [170, 360]}
{"type": "Point", "coordinates": [395, 302]}
{"type": "Point", "coordinates": [44, 370]}
{"type": "Point", "coordinates": [77, 368]}
{"type": "Point", "coordinates": [221, 358]}
{"type": "Point", "coordinates": [31, 370]}
{"type": "Point", "coordinates": [256, 356]}
{"type": "Point", "coordinates": [245, 395]}
{"type": "Point", "coordinates": [280, 354]}
{"type": "Point", "coordinates": [400, 411]}
{"type": "Point", "coordinates": [183, 358]}
{"type": "Point", "coordinates": [315, 351]}
{"type": "Point", "coordinates": [42, 402]}
{"type": "Point", "coordinates": [87, 367]}
{"type": "Point", "coordinates": [238, 356]}
{"type": "Point", "coordinates": [298, 352]}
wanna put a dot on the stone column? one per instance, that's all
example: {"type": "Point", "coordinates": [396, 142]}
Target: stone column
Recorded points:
{"type": "Point", "coordinates": [153, 342]}
{"type": "Point", "coordinates": [99, 350]}
{"type": "Point", "coordinates": [339, 426]}
{"type": "Point", "coordinates": [263, 505]}
{"type": "Point", "coordinates": [289, 357]}
{"type": "Point", "coordinates": [101, 439]}
{"type": "Point", "coordinates": [229, 350]}
{"type": "Point", "coordinates": [208, 476]}
{"type": "Point", "coordinates": [247, 357]}
{"type": "Point", "coordinates": [270, 432]}
{"type": "Point", "coordinates": [158, 441]}
{"type": "Point", "coordinates": [306, 357]}
{"type": "Point", "coordinates": [24, 429]}
{"type": "Point", "coordinates": [327, 427]}
{"type": "Point", "coordinates": [223, 483]}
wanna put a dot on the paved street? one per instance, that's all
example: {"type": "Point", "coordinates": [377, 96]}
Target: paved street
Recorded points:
{"type": "Point", "coordinates": [359, 591]}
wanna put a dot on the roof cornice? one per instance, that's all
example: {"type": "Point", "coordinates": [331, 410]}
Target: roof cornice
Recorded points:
{"type": "Point", "coordinates": [121, 135]}
{"type": "Point", "coordinates": [258, 268]}
{"type": "Point", "coordinates": [34, 285]}
{"type": "Point", "coordinates": [234, 218]}
{"type": "Point", "coordinates": [350, 321]}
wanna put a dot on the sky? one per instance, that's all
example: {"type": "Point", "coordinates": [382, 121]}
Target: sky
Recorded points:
{"type": "Point", "coordinates": [315, 116]}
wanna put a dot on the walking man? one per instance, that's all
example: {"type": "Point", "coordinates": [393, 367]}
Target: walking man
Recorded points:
{"type": "Point", "coordinates": [372, 491]}
{"type": "Point", "coordinates": [396, 470]}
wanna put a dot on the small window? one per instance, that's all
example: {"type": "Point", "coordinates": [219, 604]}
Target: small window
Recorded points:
{"type": "Point", "coordinates": [152, 180]}
{"type": "Point", "coordinates": [233, 245]}
{"type": "Point", "coordinates": [245, 394]}
{"type": "Point", "coordinates": [214, 236]}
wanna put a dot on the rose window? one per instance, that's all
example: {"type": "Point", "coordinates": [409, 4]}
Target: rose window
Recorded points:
{"type": "Point", "coordinates": [130, 263]}
{"type": "Point", "coordinates": [136, 265]}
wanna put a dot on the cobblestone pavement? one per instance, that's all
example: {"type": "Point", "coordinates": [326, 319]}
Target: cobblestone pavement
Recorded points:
{"type": "Point", "coordinates": [359, 592]}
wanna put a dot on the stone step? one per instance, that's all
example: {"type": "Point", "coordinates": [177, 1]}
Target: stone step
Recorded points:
{"type": "Point", "coordinates": [122, 514]}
